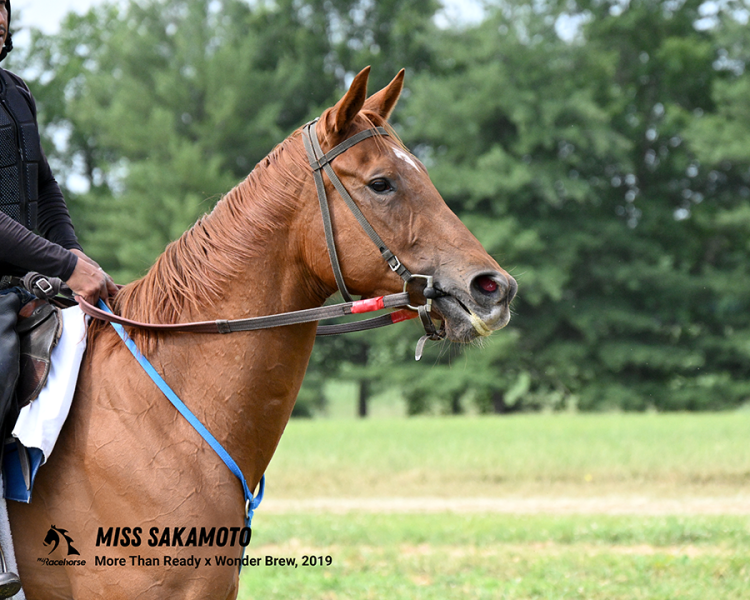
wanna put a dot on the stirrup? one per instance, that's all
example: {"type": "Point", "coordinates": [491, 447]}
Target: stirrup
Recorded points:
{"type": "Point", "coordinates": [10, 583]}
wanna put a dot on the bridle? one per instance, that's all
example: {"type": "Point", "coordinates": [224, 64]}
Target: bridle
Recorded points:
{"type": "Point", "coordinates": [321, 161]}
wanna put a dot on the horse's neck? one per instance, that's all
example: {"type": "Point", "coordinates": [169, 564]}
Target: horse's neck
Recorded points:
{"type": "Point", "coordinates": [243, 386]}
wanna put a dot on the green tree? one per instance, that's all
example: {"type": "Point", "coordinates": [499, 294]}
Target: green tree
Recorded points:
{"type": "Point", "coordinates": [166, 106]}
{"type": "Point", "coordinates": [591, 169]}
{"type": "Point", "coordinates": [669, 275]}
{"type": "Point", "coordinates": [497, 122]}
{"type": "Point", "coordinates": [608, 171]}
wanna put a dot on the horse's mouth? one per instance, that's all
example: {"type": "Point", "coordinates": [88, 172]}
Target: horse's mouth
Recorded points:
{"type": "Point", "coordinates": [464, 321]}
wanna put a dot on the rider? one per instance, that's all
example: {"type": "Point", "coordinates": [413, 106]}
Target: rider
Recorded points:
{"type": "Point", "coordinates": [30, 199]}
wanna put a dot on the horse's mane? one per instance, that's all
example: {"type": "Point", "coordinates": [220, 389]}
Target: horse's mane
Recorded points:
{"type": "Point", "coordinates": [189, 274]}
{"type": "Point", "coordinates": [192, 269]}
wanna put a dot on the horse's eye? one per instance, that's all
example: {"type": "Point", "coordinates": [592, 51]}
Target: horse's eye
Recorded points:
{"type": "Point", "coordinates": [380, 185]}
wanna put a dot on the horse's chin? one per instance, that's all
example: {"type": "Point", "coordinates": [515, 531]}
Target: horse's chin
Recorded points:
{"type": "Point", "coordinates": [464, 323]}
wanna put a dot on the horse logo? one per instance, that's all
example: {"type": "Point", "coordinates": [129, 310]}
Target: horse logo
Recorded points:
{"type": "Point", "coordinates": [53, 537]}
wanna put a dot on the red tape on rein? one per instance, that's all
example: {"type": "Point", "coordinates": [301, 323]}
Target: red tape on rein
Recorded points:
{"type": "Point", "coordinates": [403, 315]}
{"type": "Point", "coordinates": [369, 305]}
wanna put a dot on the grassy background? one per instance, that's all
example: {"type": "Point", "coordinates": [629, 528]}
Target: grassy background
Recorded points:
{"type": "Point", "coordinates": [491, 556]}
{"type": "Point", "coordinates": [446, 556]}
{"type": "Point", "coordinates": [670, 455]}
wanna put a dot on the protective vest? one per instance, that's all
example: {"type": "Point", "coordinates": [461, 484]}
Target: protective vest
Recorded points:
{"type": "Point", "coordinates": [20, 155]}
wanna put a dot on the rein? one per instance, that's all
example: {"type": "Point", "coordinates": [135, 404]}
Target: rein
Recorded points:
{"type": "Point", "coordinates": [321, 161]}
{"type": "Point", "coordinates": [279, 320]}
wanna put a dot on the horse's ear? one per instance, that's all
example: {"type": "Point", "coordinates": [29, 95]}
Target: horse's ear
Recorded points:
{"type": "Point", "coordinates": [385, 100]}
{"type": "Point", "coordinates": [348, 107]}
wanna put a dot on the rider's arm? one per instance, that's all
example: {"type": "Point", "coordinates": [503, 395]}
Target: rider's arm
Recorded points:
{"type": "Point", "coordinates": [21, 251]}
{"type": "Point", "coordinates": [43, 254]}
{"type": "Point", "coordinates": [54, 221]}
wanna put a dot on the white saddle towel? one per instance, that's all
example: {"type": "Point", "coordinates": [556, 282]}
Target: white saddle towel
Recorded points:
{"type": "Point", "coordinates": [40, 422]}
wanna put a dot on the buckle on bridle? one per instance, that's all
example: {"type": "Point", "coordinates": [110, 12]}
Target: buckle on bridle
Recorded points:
{"type": "Point", "coordinates": [45, 286]}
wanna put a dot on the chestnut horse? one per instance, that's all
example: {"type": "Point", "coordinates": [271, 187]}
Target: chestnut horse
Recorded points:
{"type": "Point", "coordinates": [127, 460]}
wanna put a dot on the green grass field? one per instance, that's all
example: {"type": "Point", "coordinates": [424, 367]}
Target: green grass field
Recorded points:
{"type": "Point", "coordinates": [489, 555]}
{"type": "Point", "coordinates": [490, 456]}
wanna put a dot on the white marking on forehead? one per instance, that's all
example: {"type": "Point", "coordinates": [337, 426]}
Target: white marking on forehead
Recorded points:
{"type": "Point", "coordinates": [406, 157]}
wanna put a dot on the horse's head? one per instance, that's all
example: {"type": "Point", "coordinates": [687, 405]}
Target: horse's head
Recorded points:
{"type": "Point", "coordinates": [394, 192]}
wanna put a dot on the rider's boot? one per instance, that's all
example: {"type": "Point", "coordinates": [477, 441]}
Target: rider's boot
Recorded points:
{"type": "Point", "coordinates": [10, 583]}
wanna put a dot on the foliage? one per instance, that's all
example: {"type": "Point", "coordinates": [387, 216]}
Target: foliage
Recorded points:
{"type": "Point", "coordinates": [593, 170]}
{"type": "Point", "coordinates": [606, 168]}
{"type": "Point", "coordinates": [166, 104]}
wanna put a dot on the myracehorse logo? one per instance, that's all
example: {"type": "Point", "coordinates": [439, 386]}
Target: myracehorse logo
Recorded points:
{"type": "Point", "coordinates": [53, 537]}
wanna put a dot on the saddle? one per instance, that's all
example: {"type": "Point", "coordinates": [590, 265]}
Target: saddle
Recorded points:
{"type": "Point", "coordinates": [39, 328]}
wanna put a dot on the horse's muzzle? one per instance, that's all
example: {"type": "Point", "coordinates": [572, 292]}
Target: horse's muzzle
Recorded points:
{"type": "Point", "coordinates": [475, 310]}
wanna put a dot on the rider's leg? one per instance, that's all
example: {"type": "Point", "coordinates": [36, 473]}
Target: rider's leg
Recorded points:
{"type": "Point", "coordinates": [10, 304]}
{"type": "Point", "coordinates": [10, 350]}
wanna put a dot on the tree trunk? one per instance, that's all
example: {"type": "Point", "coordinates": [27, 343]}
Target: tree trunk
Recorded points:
{"type": "Point", "coordinates": [498, 402]}
{"type": "Point", "coordinates": [364, 393]}
{"type": "Point", "coordinates": [456, 408]}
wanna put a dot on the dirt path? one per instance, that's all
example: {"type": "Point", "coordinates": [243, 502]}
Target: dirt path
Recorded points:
{"type": "Point", "coordinates": [598, 505]}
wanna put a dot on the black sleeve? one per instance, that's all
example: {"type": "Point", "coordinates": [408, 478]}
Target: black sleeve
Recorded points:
{"type": "Point", "coordinates": [53, 219]}
{"type": "Point", "coordinates": [22, 251]}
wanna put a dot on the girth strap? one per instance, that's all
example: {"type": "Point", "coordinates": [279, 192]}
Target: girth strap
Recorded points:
{"type": "Point", "coordinates": [322, 161]}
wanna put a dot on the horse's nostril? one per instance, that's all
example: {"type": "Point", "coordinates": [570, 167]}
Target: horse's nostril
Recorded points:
{"type": "Point", "coordinates": [486, 284]}
{"type": "Point", "coordinates": [489, 287]}
{"type": "Point", "coordinates": [493, 287]}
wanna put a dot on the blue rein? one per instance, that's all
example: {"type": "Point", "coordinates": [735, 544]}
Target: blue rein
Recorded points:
{"type": "Point", "coordinates": [251, 502]}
